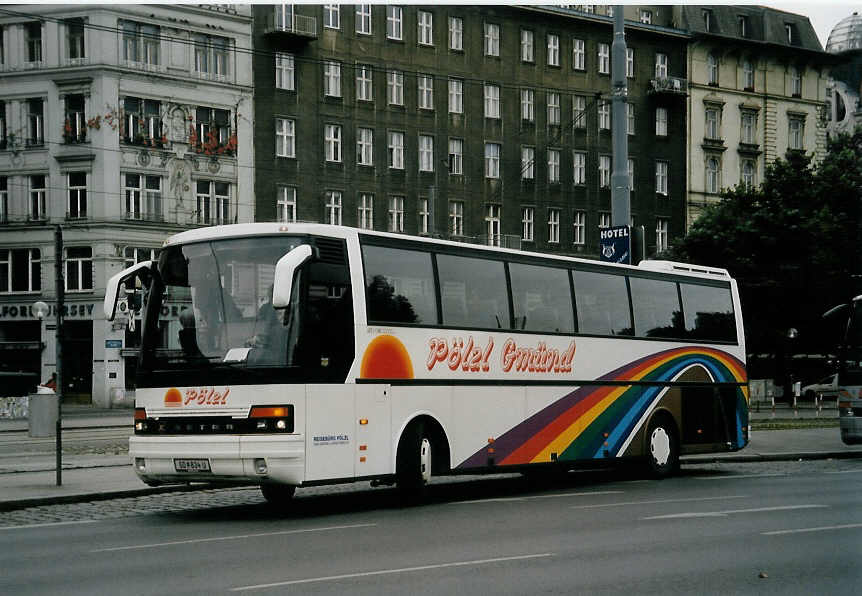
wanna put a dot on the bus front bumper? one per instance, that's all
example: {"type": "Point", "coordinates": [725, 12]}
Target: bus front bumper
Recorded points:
{"type": "Point", "coordinates": [219, 459]}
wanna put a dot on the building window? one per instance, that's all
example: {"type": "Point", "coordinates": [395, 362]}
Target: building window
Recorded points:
{"type": "Point", "coordinates": [284, 71]}
{"type": "Point", "coordinates": [75, 39]}
{"type": "Point", "coordinates": [332, 78]}
{"type": "Point", "coordinates": [661, 168]}
{"type": "Point", "coordinates": [630, 118]}
{"type": "Point", "coordinates": [553, 49]}
{"type": "Point", "coordinates": [141, 43]}
{"type": "Point", "coordinates": [527, 51]}
{"type": "Point", "coordinates": [394, 22]}
{"type": "Point", "coordinates": [333, 207]}
{"type": "Point", "coordinates": [528, 163]}
{"type": "Point", "coordinates": [553, 226]}
{"type": "Point", "coordinates": [604, 59]}
{"type": "Point", "coordinates": [579, 166]}
{"type": "Point", "coordinates": [331, 16]}
{"type": "Point", "coordinates": [211, 56]}
{"type": "Point", "coordinates": [285, 137]}
{"type": "Point", "coordinates": [747, 75]}
{"type": "Point", "coordinates": [604, 220]}
{"type": "Point", "coordinates": [426, 153]}
{"type": "Point", "coordinates": [492, 39]}
{"type": "Point", "coordinates": [77, 205]}
{"type": "Point", "coordinates": [661, 225]}
{"type": "Point", "coordinates": [712, 69]}
{"type": "Point", "coordinates": [363, 19]}
{"type": "Point", "coordinates": [143, 197]}
{"type": "Point", "coordinates": [35, 122]}
{"type": "Point", "coordinates": [707, 20]}
{"type": "Point", "coordinates": [213, 126]}
{"type": "Point", "coordinates": [20, 270]}
{"type": "Point", "coordinates": [748, 177]}
{"type": "Point", "coordinates": [33, 39]}
{"type": "Point", "coordinates": [579, 111]}
{"type": "Point", "coordinates": [365, 146]}
{"type": "Point", "coordinates": [142, 122]}
{"type": "Point", "coordinates": [604, 171]}
{"type": "Point", "coordinates": [285, 206]}
{"type": "Point", "coordinates": [796, 133]}
{"type": "Point", "coordinates": [424, 216]}
{"type": "Point", "coordinates": [742, 23]}
{"type": "Point", "coordinates": [553, 108]}
{"type": "Point", "coordinates": [364, 89]}
{"type": "Point", "coordinates": [425, 21]}
{"type": "Point", "coordinates": [456, 218]}
{"type": "Point", "coordinates": [426, 92]}
{"type": "Point", "coordinates": [604, 115]}
{"type": "Point", "coordinates": [579, 54]}
{"type": "Point", "coordinates": [4, 199]}
{"type": "Point", "coordinates": [527, 105]}
{"type": "Point", "coordinates": [396, 214]}
{"type": "Point", "coordinates": [492, 101]}
{"type": "Point", "coordinates": [646, 17]}
{"type": "Point", "coordinates": [365, 211]}
{"type": "Point", "coordinates": [712, 119]}
{"type": "Point", "coordinates": [79, 268]}
{"type": "Point", "coordinates": [38, 194]}
{"type": "Point", "coordinates": [579, 225]}
{"type": "Point", "coordinates": [661, 122]}
{"type": "Point", "coordinates": [75, 125]}
{"type": "Point", "coordinates": [396, 150]}
{"type": "Point", "coordinates": [553, 166]}
{"type": "Point", "coordinates": [456, 96]}
{"type": "Point", "coordinates": [332, 142]}
{"type": "Point", "coordinates": [395, 87]}
{"type": "Point", "coordinates": [630, 63]}
{"type": "Point", "coordinates": [795, 82]}
{"type": "Point", "coordinates": [749, 127]}
{"type": "Point", "coordinates": [713, 175]}
{"type": "Point", "coordinates": [456, 34]}
{"type": "Point", "coordinates": [660, 66]}
{"type": "Point", "coordinates": [3, 132]}
{"type": "Point", "coordinates": [492, 224]}
{"type": "Point", "coordinates": [133, 255]}
{"type": "Point", "coordinates": [528, 215]}
{"type": "Point", "coordinates": [456, 156]}
{"type": "Point", "coordinates": [630, 168]}
{"type": "Point", "coordinates": [492, 160]}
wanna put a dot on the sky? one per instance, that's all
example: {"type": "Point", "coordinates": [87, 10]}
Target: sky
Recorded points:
{"type": "Point", "coordinates": [823, 15]}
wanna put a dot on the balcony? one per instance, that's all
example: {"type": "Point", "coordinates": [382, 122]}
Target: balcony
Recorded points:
{"type": "Point", "coordinates": [291, 29]}
{"type": "Point", "coordinates": [668, 85]}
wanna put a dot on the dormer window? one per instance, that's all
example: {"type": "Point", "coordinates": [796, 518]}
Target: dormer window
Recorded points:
{"type": "Point", "coordinates": [743, 26]}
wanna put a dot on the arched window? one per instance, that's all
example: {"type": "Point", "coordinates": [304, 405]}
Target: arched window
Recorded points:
{"type": "Point", "coordinates": [713, 175]}
{"type": "Point", "coordinates": [712, 69]}
{"type": "Point", "coordinates": [747, 74]}
{"type": "Point", "coordinates": [749, 176]}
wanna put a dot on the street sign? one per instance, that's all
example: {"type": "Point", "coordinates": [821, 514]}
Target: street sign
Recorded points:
{"type": "Point", "coordinates": [615, 244]}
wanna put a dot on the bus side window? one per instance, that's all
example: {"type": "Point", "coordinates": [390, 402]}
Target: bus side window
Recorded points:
{"type": "Point", "coordinates": [541, 298]}
{"type": "Point", "coordinates": [708, 312]}
{"type": "Point", "coordinates": [602, 303]}
{"type": "Point", "coordinates": [399, 285]}
{"type": "Point", "coordinates": [485, 292]}
{"type": "Point", "coordinates": [656, 308]}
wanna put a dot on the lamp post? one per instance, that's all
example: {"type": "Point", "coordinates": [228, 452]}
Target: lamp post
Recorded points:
{"type": "Point", "coordinates": [60, 289]}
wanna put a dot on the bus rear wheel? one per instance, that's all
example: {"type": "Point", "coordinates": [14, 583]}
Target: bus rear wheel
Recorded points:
{"type": "Point", "coordinates": [413, 465]}
{"type": "Point", "coordinates": [277, 494]}
{"type": "Point", "coordinates": [662, 447]}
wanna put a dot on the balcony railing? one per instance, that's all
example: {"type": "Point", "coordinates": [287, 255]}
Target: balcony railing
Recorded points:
{"type": "Point", "coordinates": [295, 25]}
{"type": "Point", "coordinates": [670, 85]}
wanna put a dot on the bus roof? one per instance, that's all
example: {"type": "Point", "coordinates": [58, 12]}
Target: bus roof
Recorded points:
{"type": "Point", "coordinates": [246, 230]}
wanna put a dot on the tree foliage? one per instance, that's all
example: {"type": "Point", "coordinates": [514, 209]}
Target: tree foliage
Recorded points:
{"type": "Point", "coordinates": [793, 244]}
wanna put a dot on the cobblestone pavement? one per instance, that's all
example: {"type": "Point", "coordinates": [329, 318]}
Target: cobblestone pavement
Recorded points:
{"type": "Point", "coordinates": [228, 503]}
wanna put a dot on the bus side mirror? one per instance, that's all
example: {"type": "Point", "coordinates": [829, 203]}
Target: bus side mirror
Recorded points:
{"type": "Point", "coordinates": [144, 270]}
{"type": "Point", "coordinates": [285, 272]}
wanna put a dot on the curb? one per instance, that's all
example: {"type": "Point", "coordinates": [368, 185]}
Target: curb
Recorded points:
{"type": "Point", "coordinates": [764, 457]}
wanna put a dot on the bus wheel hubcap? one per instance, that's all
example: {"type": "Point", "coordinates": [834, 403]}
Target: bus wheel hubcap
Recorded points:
{"type": "Point", "coordinates": [659, 446]}
{"type": "Point", "coordinates": [425, 460]}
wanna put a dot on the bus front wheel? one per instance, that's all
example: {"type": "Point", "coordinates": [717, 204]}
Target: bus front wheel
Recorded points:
{"type": "Point", "coordinates": [413, 465]}
{"type": "Point", "coordinates": [277, 494]}
{"type": "Point", "coordinates": [662, 447]}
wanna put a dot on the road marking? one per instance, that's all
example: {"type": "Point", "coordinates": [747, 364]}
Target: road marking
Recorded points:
{"type": "Point", "coordinates": [732, 511]}
{"type": "Point", "coordinates": [625, 504]}
{"type": "Point", "coordinates": [49, 524]}
{"type": "Point", "coordinates": [804, 530]}
{"type": "Point", "coordinates": [328, 578]}
{"type": "Point", "coordinates": [844, 472]}
{"type": "Point", "coordinates": [513, 499]}
{"type": "Point", "coordinates": [235, 537]}
{"type": "Point", "coordinates": [735, 476]}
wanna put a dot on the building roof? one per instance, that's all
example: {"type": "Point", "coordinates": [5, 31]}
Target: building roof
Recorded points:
{"type": "Point", "coordinates": [846, 35]}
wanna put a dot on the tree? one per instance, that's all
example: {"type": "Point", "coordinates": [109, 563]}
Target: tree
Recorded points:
{"type": "Point", "coordinates": [794, 244]}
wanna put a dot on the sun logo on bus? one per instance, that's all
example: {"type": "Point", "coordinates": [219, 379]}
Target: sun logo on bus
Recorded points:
{"type": "Point", "coordinates": [173, 398]}
{"type": "Point", "coordinates": [386, 358]}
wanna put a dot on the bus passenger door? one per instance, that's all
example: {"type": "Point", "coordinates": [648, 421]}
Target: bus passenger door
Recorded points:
{"type": "Point", "coordinates": [330, 440]}
{"type": "Point", "coordinates": [373, 449]}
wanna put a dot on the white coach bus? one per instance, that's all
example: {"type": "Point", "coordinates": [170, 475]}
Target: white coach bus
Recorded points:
{"type": "Point", "coordinates": [303, 354]}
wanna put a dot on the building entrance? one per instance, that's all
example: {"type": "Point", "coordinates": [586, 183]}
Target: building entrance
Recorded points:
{"type": "Point", "coordinates": [78, 361]}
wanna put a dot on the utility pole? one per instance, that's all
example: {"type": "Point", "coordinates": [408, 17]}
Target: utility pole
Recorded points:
{"type": "Point", "coordinates": [60, 289]}
{"type": "Point", "coordinates": [620, 202]}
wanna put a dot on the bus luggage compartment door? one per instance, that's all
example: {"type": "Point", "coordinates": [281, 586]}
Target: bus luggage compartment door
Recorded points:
{"type": "Point", "coordinates": [330, 422]}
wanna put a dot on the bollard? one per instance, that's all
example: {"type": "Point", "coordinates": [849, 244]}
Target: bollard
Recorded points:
{"type": "Point", "coordinates": [42, 418]}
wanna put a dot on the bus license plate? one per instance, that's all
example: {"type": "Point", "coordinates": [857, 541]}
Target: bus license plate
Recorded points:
{"type": "Point", "coordinates": [192, 465]}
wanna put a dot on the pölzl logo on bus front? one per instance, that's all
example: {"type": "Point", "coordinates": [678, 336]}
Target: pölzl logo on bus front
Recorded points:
{"type": "Point", "coordinates": [199, 396]}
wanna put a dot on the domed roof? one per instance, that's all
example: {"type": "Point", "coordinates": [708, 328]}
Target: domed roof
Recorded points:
{"type": "Point", "coordinates": [846, 35]}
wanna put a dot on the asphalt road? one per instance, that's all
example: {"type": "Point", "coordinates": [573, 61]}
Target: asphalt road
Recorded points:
{"type": "Point", "coordinates": [783, 528]}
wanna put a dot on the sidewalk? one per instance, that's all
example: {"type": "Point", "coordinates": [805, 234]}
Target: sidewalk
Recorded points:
{"type": "Point", "coordinates": [100, 477]}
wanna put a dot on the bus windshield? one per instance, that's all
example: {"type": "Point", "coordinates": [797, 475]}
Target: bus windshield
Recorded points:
{"type": "Point", "coordinates": [210, 310]}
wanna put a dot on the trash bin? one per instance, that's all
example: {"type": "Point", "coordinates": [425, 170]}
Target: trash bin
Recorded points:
{"type": "Point", "coordinates": [43, 414]}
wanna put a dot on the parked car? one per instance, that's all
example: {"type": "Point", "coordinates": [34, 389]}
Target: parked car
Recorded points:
{"type": "Point", "coordinates": [826, 387]}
